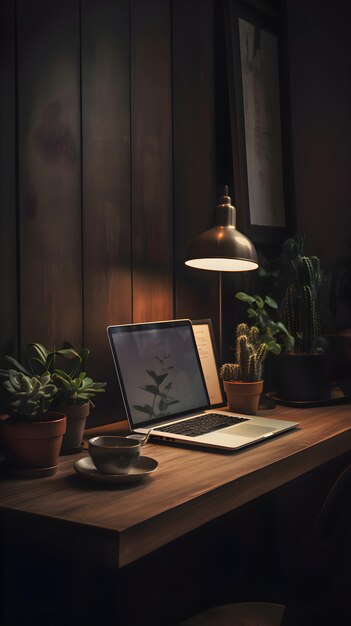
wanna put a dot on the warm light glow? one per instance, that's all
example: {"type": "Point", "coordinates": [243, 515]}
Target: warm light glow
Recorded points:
{"type": "Point", "coordinates": [223, 264]}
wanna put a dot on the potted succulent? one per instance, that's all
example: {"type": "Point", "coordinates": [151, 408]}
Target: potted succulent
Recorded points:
{"type": "Point", "coordinates": [302, 374]}
{"type": "Point", "coordinates": [243, 382]}
{"type": "Point", "coordinates": [74, 388]}
{"type": "Point", "coordinates": [31, 434]}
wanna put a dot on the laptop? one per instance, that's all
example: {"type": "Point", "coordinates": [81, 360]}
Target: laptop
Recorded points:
{"type": "Point", "coordinates": [164, 390]}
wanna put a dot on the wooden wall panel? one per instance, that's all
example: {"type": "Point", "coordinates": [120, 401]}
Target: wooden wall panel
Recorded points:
{"type": "Point", "coordinates": [106, 183]}
{"type": "Point", "coordinates": [49, 175]}
{"type": "Point", "coordinates": [195, 192]}
{"type": "Point", "coordinates": [113, 103]}
{"type": "Point", "coordinates": [152, 201]}
{"type": "Point", "coordinates": [8, 262]}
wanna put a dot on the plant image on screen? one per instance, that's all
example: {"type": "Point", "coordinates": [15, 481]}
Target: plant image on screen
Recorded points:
{"type": "Point", "coordinates": [159, 389]}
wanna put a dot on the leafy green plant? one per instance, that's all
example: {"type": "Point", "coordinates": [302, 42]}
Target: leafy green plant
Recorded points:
{"type": "Point", "coordinates": [272, 332]}
{"type": "Point", "coordinates": [26, 397]}
{"type": "Point", "coordinates": [72, 384]}
{"type": "Point", "coordinates": [159, 389]}
{"type": "Point", "coordinates": [302, 281]}
{"type": "Point", "coordinates": [73, 389]}
{"type": "Point", "coordinates": [37, 359]}
{"type": "Point", "coordinates": [250, 354]}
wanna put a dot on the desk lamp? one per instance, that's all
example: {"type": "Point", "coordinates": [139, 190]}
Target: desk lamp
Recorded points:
{"type": "Point", "coordinates": [223, 249]}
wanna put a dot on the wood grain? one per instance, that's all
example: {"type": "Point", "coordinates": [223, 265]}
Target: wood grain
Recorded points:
{"type": "Point", "coordinates": [49, 174]}
{"type": "Point", "coordinates": [8, 243]}
{"type": "Point", "coordinates": [195, 193]}
{"type": "Point", "coordinates": [189, 489]}
{"type": "Point", "coordinates": [152, 198]}
{"type": "Point", "coordinates": [106, 187]}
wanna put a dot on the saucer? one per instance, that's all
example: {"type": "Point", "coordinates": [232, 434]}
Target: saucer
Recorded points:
{"type": "Point", "coordinates": [86, 468]}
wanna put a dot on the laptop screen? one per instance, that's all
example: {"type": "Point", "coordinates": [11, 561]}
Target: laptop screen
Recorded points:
{"type": "Point", "coordinates": [159, 371]}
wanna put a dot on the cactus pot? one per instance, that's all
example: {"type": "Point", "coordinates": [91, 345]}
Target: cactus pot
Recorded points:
{"type": "Point", "coordinates": [302, 377]}
{"type": "Point", "coordinates": [76, 418]}
{"type": "Point", "coordinates": [243, 397]}
{"type": "Point", "coordinates": [33, 445]}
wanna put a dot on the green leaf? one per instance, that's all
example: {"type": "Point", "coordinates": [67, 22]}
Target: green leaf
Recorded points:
{"type": "Point", "coordinates": [7, 385]}
{"type": "Point", "coordinates": [16, 365]}
{"type": "Point", "coordinates": [272, 303]}
{"type": "Point", "coordinates": [244, 297]}
{"type": "Point", "coordinates": [86, 382]}
{"type": "Point", "coordinates": [38, 360]}
{"type": "Point", "coordinates": [252, 313]}
{"type": "Point", "coordinates": [289, 343]}
{"type": "Point", "coordinates": [283, 328]}
{"type": "Point", "coordinates": [68, 353]}
{"type": "Point", "coordinates": [83, 396]}
{"type": "Point", "coordinates": [84, 353]}
{"type": "Point", "coordinates": [273, 347]}
{"type": "Point", "coordinates": [50, 361]}
{"type": "Point", "coordinates": [39, 350]}
{"type": "Point", "coordinates": [45, 378]}
{"type": "Point", "coordinates": [62, 374]}
{"type": "Point", "coordinates": [259, 301]}
{"type": "Point", "coordinates": [272, 325]}
{"type": "Point", "coordinates": [14, 379]}
{"type": "Point", "coordinates": [66, 344]}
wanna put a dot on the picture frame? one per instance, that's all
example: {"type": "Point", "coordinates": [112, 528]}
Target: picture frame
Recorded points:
{"type": "Point", "coordinates": [206, 346]}
{"type": "Point", "coordinates": [259, 121]}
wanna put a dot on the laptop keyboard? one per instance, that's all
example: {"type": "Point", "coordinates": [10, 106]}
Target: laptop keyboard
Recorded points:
{"type": "Point", "coordinates": [203, 424]}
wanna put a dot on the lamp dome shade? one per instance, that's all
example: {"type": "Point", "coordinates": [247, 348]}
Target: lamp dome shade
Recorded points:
{"type": "Point", "coordinates": [223, 248]}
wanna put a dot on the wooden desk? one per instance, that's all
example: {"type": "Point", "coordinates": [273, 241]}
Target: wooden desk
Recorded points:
{"type": "Point", "coordinates": [190, 488]}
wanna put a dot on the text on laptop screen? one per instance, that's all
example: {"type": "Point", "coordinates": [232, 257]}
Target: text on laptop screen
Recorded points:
{"type": "Point", "coordinates": [160, 371]}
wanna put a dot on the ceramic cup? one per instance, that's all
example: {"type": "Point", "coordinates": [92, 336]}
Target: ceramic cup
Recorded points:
{"type": "Point", "coordinates": [114, 455]}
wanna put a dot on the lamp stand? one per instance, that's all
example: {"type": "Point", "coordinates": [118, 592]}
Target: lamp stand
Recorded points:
{"type": "Point", "coordinates": [220, 318]}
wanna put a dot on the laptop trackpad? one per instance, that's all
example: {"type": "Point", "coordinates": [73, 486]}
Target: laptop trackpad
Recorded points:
{"type": "Point", "coordinates": [246, 430]}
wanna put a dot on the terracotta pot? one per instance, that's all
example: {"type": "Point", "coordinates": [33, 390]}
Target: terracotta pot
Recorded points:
{"type": "Point", "coordinates": [243, 397]}
{"type": "Point", "coordinates": [76, 418]}
{"type": "Point", "coordinates": [33, 444]}
{"type": "Point", "coordinates": [302, 377]}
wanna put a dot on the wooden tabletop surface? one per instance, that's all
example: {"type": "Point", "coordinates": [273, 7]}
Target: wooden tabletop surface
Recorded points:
{"type": "Point", "coordinates": [190, 487]}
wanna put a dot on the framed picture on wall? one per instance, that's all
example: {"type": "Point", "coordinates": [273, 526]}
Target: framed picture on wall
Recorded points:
{"type": "Point", "coordinates": [258, 113]}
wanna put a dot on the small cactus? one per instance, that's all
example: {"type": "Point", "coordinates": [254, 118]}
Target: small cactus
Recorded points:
{"type": "Point", "coordinates": [229, 372]}
{"type": "Point", "coordinates": [28, 397]}
{"type": "Point", "coordinates": [250, 356]}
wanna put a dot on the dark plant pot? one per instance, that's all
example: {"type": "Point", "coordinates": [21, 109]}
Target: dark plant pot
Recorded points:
{"type": "Point", "coordinates": [76, 418]}
{"type": "Point", "coordinates": [302, 376]}
{"type": "Point", "coordinates": [340, 343]}
{"type": "Point", "coordinates": [243, 397]}
{"type": "Point", "coordinates": [33, 445]}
